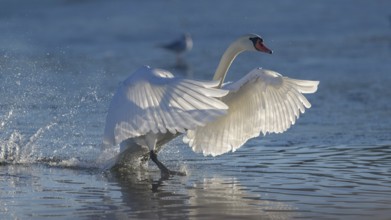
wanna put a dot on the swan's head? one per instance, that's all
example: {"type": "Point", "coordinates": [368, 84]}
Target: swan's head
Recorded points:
{"type": "Point", "coordinates": [253, 42]}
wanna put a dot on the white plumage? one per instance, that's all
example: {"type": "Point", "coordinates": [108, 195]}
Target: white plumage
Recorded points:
{"type": "Point", "coordinates": [154, 101]}
{"type": "Point", "coordinates": [261, 102]}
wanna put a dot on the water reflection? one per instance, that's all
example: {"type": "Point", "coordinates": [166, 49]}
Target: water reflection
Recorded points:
{"type": "Point", "coordinates": [194, 197]}
{"type": "Point", "coordinates": [228, 198]}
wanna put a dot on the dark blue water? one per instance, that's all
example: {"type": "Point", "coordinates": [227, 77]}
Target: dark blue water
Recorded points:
{"type": "Point", "coordinates": [61, 61]}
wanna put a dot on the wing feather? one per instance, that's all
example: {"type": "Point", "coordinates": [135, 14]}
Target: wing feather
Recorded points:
{"type": "Point", "coordinates": [153, 100]}
{"type": "Point", "coordinates": [160, 120]}
{"type": "Point", "coordinates": [168, 118]}
{"type": "Point", "coordinates": [146, 94]}
{"type": "Point", "coordinates": [261, 102]}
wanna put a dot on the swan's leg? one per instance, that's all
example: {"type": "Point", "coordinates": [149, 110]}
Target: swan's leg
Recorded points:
{"type": "Point", "coordinates": [165, 172]}
{"type": "Point", "coordinates": [151, 140]}
{"type": "Point", "coordinates": [163, 169]}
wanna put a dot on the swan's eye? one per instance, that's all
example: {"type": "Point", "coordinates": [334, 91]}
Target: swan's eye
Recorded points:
{"type": "Point", "coordinates": [256, 40]}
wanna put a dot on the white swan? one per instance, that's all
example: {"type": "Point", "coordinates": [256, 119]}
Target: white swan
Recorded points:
{"type": "Point", "coordinates": [142, 116]}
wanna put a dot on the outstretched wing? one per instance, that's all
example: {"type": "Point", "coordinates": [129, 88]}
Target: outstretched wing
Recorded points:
{"type": "Point", "coordinates": [261, 102]}
{"type": "Point", "coordinates": [153, 100]}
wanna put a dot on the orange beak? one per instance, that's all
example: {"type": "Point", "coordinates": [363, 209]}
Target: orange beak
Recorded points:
{"type": "Point", "coordinates": [261, 47]}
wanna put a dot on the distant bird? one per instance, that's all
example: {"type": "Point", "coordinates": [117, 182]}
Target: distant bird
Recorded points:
{"type": "Point", "coordinates": [152, 107]}
{"type": "Point", "coordinates": [179, 46]}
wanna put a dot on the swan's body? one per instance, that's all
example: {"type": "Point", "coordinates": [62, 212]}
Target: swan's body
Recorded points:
{"type": "Point", "coordinates": [152, 106]}
{"type": "Point", "coordinates": [263, 101]}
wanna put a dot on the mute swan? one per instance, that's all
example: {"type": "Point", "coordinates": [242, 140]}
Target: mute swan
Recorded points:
{"type": "Point", "coordinates": [180, 46]}
{"type": "Point", "coordinates": [142, 116]}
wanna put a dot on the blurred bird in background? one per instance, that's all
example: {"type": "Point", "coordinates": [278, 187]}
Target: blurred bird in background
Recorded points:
{"type": "Point", "coordinates": [179, 46]}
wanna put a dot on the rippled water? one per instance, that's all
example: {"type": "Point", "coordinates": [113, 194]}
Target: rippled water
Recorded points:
{"type": "Point", "coordinates": [61, 61]}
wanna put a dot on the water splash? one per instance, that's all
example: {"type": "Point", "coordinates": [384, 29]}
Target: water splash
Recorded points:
{"type": "Point", "coordinates": [19, 150]}
{"type": "Point", "coordinates": [6, 119]}
{"type": "Point", "coordinates": [10, 149]}
{"type": "Point", "coordinates": [54, 115]}
{"type": "Point", "coordinates": [28, 154]}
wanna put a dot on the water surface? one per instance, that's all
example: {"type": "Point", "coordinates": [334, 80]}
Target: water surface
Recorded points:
{"type": "Point", "coordinates": [61, 61]}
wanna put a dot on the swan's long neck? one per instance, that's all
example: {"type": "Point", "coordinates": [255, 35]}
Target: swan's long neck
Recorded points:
{"type": "Point", "coordinates": [226, 60]}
